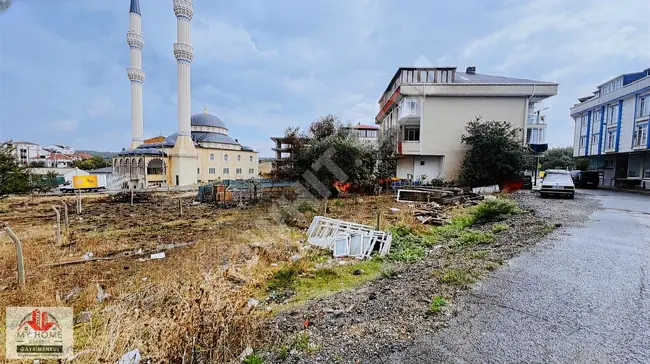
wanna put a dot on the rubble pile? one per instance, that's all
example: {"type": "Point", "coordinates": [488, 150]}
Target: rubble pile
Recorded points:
{"type": "Point", "coordinates": [125, 197]}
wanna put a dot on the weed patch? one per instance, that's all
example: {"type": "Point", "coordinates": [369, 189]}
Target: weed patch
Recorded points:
{"type": "Point", "coordinates": [389, 270]}
{"type": "Point", "coordinates": [494, 210]}
{"type": "Point", "coordinates": [497, 228]}
{"type": "Point", "coordinates": [253, 359]}
{"type": "Point", "coordinates": [474, 237]}
{"type": "Point", "coordinates": [305, 207]}
{"type": "Point", "coordinates": [457, 277]}
{"type": "Point", "coordinates": [437, 303]}
{"type": "Point", "coordinates": [407, 246]}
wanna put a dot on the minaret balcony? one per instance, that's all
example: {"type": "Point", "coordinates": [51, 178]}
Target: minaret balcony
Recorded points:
{"type": "Point", "coordinates": [183, 51]}
{"type": "Point", "coordinates": [183, 8]}
{"type": "Point", "coordinates": [134, 40]}
{"type": "Point", "coordinates": [135, 74]}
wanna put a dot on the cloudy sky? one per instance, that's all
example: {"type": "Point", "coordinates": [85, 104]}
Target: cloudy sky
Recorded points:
{"type": "Point", "coordinates": [263, 65]}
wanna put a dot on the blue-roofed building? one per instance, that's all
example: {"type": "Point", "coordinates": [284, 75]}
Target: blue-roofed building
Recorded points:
{"type": "Point", "coordinates": [424, 111]}
{"type": "Point", "coordinates": [219, 156]}
{"type": "Point", "coordinates": [611, 129]}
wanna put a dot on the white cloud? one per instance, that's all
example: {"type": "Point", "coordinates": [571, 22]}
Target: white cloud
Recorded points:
{"type": "Point", "coordinates": [216, 39]}
{"type": "Point", "coordinates": [65, 125]}
{"type": "Point", "coordinates": [102, 107]}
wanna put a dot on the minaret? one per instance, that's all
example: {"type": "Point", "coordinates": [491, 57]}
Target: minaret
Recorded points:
{"type": "Point", "coordinates": [184, 155]}
{"type": "Point", "coordinates": [136, 74]}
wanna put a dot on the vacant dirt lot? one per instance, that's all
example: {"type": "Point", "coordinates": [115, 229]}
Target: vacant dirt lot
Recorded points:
{"type": "Point", "coordinates": [192, 302]}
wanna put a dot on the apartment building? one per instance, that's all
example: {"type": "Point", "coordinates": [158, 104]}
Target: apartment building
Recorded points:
{"type": "Point", "coordinates": [424, 112]}
{"type": "Point", "coordinates": [611, 129]}
{"type": "Point", "coordinates": [368, 134]}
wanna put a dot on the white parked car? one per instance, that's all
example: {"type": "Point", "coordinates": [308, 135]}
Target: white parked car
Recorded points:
{"type": "Point", "coordinates": [558, 182]}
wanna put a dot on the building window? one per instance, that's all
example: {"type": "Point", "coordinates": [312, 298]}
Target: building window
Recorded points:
{"type": "Point", "coordinates": [251, 170]}
{"type": "Point", "coordinates": [198, 171]}
{"type": "Point", "coordinates": [238, 170]}
{"type": "Point", "coordinates": [644, 106]}
{"type": "Point", "coordinates": [640, 135]}
{"type": "Point", "coordinates": [212, 170]}
{"type": "Point", "coordinates": [583, 140]}
{"type": "Point", "coordinates": [421, 163]}
{"type": "Point", "coordinates": [611, 140]}
{"type": "Point", "coordinates": [595, 117]}
{"type": "Point", "coordinates": [250, 159]}
{"type": "Point", "coordinates": [225, 157]}
{"type": "Point", "coordinates": [226, 171]}
{"type": "Point", "coordinates": [238, 158]}
{"type": "Point", "coordinates": [412, 134]}
{"type": "Point", "coordinates": [609, 164]}
{"type": "Point", "coordinates": [594, 138]}
{"type": "Point", "coordinates": [212, 157]}
{"type": "Point", "coordinates": [611, 115]}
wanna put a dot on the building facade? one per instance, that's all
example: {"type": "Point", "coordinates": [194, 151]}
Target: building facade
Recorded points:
{"type": "Point", "coordinates": [424, 112]}
{"type": "Point", "coordinates": [201, 150]}
{"type": "Point", "coordinates": [368, 134]}
{"type": "Point", "coordinates": [611, 129]}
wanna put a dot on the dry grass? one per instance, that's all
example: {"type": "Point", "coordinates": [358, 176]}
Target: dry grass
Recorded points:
{"type": "Point", "coordinates": [193, 302]}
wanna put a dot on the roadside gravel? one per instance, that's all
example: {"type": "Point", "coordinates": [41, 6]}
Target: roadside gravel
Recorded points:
{"type": "Point", "coordinates": [389, 314]}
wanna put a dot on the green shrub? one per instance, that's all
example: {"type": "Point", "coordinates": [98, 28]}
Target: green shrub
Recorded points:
{"type": "Point", "coordinates": [407, 246]}
{"type": "Point", "coordinates": [339, 203]}
{"type": "Point", "coordinates": [437, 303]}
{"type": "Point", "coordinates": [493, 210]}
{"type": "Point", "coordinates": [473, 237]}
{"type": "Point", "coordinates": [497, 228]}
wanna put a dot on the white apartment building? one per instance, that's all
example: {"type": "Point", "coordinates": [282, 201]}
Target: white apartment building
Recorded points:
{"type": "Point", "coordinates": [27, 152]}
{"type": "Point", "coordinates": [424, 111]}
{"type": "Point", "coordinates": [611, 129]}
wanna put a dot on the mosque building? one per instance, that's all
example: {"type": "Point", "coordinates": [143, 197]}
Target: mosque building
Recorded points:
{"type": "Point", "coordinates": [201, 150]}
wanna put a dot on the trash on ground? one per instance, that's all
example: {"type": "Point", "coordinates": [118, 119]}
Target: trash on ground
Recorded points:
{"type": "Point", "coordinates": [441, 195]}
{"type": "Point", "coordinates": [160, 255]}
{"type": "Point", "coordinates": [101, 294]}
{"type": "Point", "coordinates": [432, 213]}
{"type": "Point", "coordinates": [484, 190]}
{"type": "Point", "coordinates": [245, 354]}
{"type": "Point", "coordinates": [72, 293]}
{"type": "Point", "coordinates": [346, 238]}
{"type": "Point", "coordinates": [252, 303]}
{"type": "Point", "coordinates": [132, 357]}
{"type": "Point", "coordinates": [393, 209]}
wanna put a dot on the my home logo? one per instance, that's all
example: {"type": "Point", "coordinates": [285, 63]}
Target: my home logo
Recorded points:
{"type": "Point", "coordinates": [39, 332]}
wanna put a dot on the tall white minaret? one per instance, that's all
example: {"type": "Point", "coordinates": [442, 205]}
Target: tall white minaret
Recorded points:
{"type": "Point", "coordinates": [184, 156]}
{"type": "Point", "coordinates": [136, 74]}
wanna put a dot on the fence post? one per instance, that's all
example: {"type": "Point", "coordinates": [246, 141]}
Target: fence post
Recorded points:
{"type": "Point", "coordinates": [131, 197]}
{"type": "Point", "coordinates": [58, 225]}
{"type": "Point", "coordinates": [20, 263]}
{"type": "Point", "coordinates": [65, 218]}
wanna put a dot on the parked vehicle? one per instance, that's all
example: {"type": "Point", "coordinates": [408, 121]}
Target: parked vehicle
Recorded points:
{"type": "Point", "coordinates": [559, 183]}
{"type": "Point", "coordinates": [585, 179]}
{"type": "Point", "coordinates": [91, 183]}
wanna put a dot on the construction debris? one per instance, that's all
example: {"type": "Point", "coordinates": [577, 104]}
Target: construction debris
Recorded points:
{"type": "Point", "coordinates": [125, 197]}
{"type": "Point", "coordinates": [440, 195]}
{"type": "Point", "coordinates": [432, 213]}
{"type": "Point", "coordinates": [346, 238]}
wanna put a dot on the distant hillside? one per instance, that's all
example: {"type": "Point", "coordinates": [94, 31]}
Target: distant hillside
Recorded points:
{"type": "Point", "coordinates": [106, 155]}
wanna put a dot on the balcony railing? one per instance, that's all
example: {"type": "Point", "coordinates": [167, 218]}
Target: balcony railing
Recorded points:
{"type": "Point", "coordinates": [535, 119]}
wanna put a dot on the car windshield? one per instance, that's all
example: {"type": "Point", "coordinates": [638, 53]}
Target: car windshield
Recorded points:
{"type": "Point", "coordinates": [557, 178]}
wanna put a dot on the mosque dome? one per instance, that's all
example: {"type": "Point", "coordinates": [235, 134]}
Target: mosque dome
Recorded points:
{"type": "Point", "coordinates": [207, 119]}
{"type": "Point", "coordinates": [206, 128]}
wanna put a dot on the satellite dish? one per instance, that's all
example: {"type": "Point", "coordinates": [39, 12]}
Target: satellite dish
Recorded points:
{"type": "Point", "coordinates": [4, 5]}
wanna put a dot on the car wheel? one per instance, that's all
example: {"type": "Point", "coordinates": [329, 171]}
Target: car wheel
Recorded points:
{"type": "Point", "coordinates": [543, 195]}
{"type": "Point", "coordinates": [572, 196]}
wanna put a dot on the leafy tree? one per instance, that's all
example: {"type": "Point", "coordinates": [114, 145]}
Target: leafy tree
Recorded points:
{"type": "Point", "coordinates": [14, 177]}
{"type": "Point", "coordinates": [559, 158]}
{"type": "Point", "coordinates": [582, 164]}
{"type": "Point", "coordinates": [495, 153]}
{"type": "Point", "coordinates": [329, 139]}
{"type": "Point", "coordinates": [387, 165]}
{"type": "Point", "coordinates": [45, 183]}
{"type": "Point", "coordinates": [94, 162]}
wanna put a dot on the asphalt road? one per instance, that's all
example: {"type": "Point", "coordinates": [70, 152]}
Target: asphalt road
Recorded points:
{"type": "Point", "coordinates": [581, 296]}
